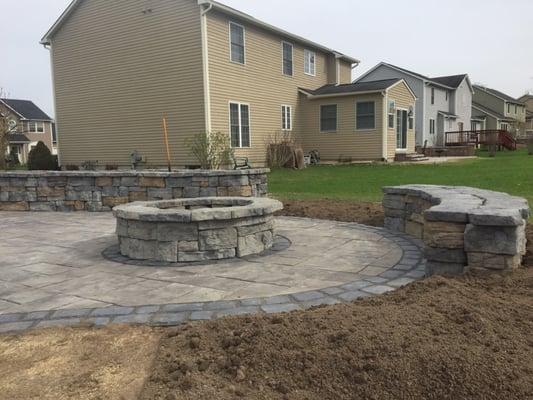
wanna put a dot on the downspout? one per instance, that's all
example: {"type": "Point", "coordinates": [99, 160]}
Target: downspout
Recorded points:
{"type": "Point", "coordinates": [385, 126]}
{"type": "Point", "coordinates": [205, 64]}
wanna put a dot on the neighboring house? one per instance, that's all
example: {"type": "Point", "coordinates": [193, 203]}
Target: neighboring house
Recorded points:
{"type": "Point", "coordinates": [443, 104]}
{"type": "Point", "coordinates": [30, 125]}
{"type": "Point", "coordinates": [492, 109]}
{"type": "Point", "coordinates": [119, 67]}
{"type": "Point", "coordinates": [527, 99]}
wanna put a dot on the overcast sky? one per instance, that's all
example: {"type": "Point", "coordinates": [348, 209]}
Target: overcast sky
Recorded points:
{"type": "Point", "coordinates": [489, 39]}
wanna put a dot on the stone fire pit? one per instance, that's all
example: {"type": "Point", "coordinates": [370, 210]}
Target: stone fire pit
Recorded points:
{"type": "Point", "coordinates": [200, 229]}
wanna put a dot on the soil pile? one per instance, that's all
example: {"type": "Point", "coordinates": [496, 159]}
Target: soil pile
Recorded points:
{"type": "Point", "coordinates": [337, 210]}
{"type": "Point", "coordinates": [444, 338]}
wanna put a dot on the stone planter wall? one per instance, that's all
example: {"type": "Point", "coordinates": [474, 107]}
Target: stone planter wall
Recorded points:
{"type": "Point", "coordinates": [461, 227]}
{"type": "Point", "coordinates": [103, 190]}
{"type": "Point", "coordinates": [191, 230]}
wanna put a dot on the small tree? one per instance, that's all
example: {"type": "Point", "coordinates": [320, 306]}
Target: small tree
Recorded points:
{"type": "Point", "coordinates": [211, 150]}
{"type": "Point", "coordinates": [40, 158]}
{"type": "Point", "coordinates": [5, 129]}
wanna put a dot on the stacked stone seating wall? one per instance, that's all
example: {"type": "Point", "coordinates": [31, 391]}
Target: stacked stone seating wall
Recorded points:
{"type": "Point", "coordinates": [461, 228]}
{"type": "Point", "coordinates": [103, 190]}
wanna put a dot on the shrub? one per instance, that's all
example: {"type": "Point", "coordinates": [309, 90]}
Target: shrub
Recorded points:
{"type": "Point", "coordinates": [280, 147]}
{"type": "Point", "coordinates": [211, 150]}
{"type": "Point", "coordinates": [111, 167]}
{"type": "Point", "coordinates": [72, 167]}
{"type": "Point", "coordinates": [40, 158]}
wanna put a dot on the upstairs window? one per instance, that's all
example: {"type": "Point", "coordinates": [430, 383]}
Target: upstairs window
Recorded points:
{"type": "Point", "coordinates": [328, 118]}
{"type": "Point", "coordinates": [509, 108]}
{"type": "Point", "coordinates": [432, 95]}
{"type": "Point", "coordinates": [239, 124]}
{"type": "Point", "coordinates": [286, 118]}
{"type": "Point", "coordinates": [35, 127]}
{"type": "Point", "coordinates": [310, 62]}
{"type": "Point", "coordinates": [237, 42]}
{"type": "Point", "coordinates": [287, 58]}
{"type": "Point", "coordinates": [365, 115]}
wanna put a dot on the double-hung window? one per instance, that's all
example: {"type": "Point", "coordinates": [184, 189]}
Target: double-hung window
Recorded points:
{"type": "Point", "coordinates": [365, 115]}
{"type": "Point", "coordinates": [286, 118]}
{"type": "Point", "coordinates": [432, 95]}
{"type": "Point", "coordinates": [328, 118]}
{"type": "Point", "coordinates": [391, 112]}
{"type": "Point", "coordinates": [239, 114]}
{"type": "Point", "coordinates": [310, 62]}
{"type": "Point", "coordinates": [287, 50]}
{"type": "Point", "coordinates": [35, 127]}
{"type": "Point", "coordinates": [237, 42]}
{"type": "Point", "coordinates": [432, 126]}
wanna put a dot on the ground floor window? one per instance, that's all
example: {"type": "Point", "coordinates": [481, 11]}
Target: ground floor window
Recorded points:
{"type": "Point", "coordinates": [328, 118]}
{"type": "Point", "coordinates": [239, 124]}
{"type": "Point", "coordinates": [365, 115]}
{"type": "Point", "coordinates": [504, 126]}
{"type": "Point", "coordinates": [391, 111]}
{"type": "Point", "coordinates": [286, 118]}
{"type": "Point", "coordinates": [432, 126]}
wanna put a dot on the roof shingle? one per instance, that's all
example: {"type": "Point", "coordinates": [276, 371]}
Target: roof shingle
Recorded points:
{"type": "Point", "coordinates": [372, 86]}
{"type": "Point", "coordinates": [27, 109]}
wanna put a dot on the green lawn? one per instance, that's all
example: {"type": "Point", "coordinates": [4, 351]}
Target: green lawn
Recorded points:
{"type": "Point", "coordinates": [510, 172]}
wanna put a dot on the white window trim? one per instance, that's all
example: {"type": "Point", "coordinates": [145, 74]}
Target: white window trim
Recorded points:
{"type": "Point", "coordinates": [284, 117]}
{"type": "Point", "coordinates": [292, 58]}
{"type": "Point", "coordinates": [239, 104]}
{"type": "Point", "coordinates": [243, 41]}
{"type": "Point", "coordinates": [320, 118]}
{"type": "Point", "coordinates": [375, 117]}
{"type": "Point", "coordinates": [434, 127]}
{"type": "Point", "coordinates": [307, 54]}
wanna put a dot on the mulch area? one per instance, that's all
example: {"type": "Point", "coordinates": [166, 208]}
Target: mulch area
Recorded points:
{"type": "Point", "coordinates": [458, 338]}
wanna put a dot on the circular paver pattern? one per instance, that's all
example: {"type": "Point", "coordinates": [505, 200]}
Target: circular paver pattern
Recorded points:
{"type": "Point", "coordinates": [53, 273]}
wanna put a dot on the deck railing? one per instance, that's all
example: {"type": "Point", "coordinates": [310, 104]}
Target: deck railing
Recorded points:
{"type": "Point", "coordinates": [501, 138]}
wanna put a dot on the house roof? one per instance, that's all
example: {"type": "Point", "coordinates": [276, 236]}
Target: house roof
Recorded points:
{"type": "Point", "coordinates": [26, 109]}
{"type": "Point", "coordinates": [489, 111]}
{"type": "Point", "coordinates": [448, 114]}
{"type": "Point", "coordinates": [46, 40]}
{"type": "Point", "coordinates": [18, 138]}
{"type": "Point", "coordinates": [498, 94]}
{"type": "Point", "coordinates": [525, 97]}
{"type": "Point", "coordinates": [451, 81]}
{"type": "Point", "coordinates": [352, 88]}
{"type": "Point", "coordinates": [529, 114]}
{"type": "Point", "coordinates": [448, 82]}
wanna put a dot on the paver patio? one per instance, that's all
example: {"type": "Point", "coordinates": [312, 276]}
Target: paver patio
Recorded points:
{"type": "Point", "coordinates": [52, 269]}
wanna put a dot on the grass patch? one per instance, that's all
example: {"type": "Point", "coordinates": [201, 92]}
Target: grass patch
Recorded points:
{"type": "Point", "coordinates": [510, 172]}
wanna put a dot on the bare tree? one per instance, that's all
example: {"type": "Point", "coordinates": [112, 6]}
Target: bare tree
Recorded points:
{"type": "Point", "coordinates": [6, 127]}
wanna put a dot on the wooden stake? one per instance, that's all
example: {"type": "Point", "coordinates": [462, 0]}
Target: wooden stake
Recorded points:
{"type": "Point", "coordinates": [166, 143]}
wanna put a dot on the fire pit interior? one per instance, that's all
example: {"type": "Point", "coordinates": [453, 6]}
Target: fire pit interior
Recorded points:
{"type": "Point", "coordinates": [188, 230]}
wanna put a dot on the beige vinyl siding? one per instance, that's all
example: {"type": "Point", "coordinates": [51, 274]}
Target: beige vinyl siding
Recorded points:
{"type": "Point", "coordinates": [347, 142]}
{"type": "Point", "coordinates": [404, 99]}
{"type": "Point", "coordinates": [259, 83]}
{"type": "Point", "coordinates": [345, 72]}
{"type": "Point", "coordinates": [118, 68]}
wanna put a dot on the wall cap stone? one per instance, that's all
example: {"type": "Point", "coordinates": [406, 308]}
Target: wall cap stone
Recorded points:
{"type": "Point", "coordinates": [467, 205]}
{"type": "Point", "coordinates": [133, 173]}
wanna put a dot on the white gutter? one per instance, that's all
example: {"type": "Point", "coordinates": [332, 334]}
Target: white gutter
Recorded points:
{"type": "Point", "coordinates": [205, 62]}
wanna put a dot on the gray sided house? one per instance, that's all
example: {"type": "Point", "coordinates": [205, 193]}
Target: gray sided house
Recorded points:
{"type": "Point", "coordinates": [443, 103]}
{"type": "Point", "coordinates": [492, 109]}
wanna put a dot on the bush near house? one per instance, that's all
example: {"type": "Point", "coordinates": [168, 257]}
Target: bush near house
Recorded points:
{"type": "Point", "coordinates": [40, 158]}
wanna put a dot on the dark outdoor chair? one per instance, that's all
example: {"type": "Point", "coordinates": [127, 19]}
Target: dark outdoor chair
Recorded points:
{"type": "Point", "coordinates": [241, 163]}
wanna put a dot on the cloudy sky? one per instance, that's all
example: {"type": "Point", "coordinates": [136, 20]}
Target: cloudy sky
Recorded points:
{"type": "Point", "coordinates": [489, 39]}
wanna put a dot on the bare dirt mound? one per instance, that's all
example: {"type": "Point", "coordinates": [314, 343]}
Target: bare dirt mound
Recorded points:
{"type": "Point", "coordinates": [468, 338]}
{"type": "Point", "coordinates": [337, 210]}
